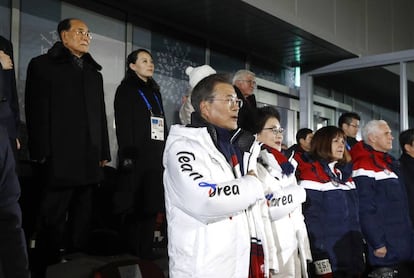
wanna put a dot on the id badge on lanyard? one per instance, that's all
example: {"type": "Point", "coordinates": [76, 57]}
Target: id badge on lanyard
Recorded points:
{"type": "Point", "coordinates": [156, 122]}
{"type": "Point", "coordinates": [157, 128]}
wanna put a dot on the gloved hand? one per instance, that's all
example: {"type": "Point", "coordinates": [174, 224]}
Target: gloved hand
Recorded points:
{"type": "Point", "coordinates": [252, 159]}
{"type": "Point", "coordinates": [127, 164]}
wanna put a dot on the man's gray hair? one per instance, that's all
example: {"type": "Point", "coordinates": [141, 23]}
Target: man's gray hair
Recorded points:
{"type": "Point", "coordinates": [372, 127]}
{"type": "Point", "coordinates": [241, 74]}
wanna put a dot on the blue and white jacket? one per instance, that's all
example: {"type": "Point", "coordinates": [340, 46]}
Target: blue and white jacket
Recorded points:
{"type": "Point", "coordinates": [383, 205]}
{"type": "Point", "coordinates": [331, 214]}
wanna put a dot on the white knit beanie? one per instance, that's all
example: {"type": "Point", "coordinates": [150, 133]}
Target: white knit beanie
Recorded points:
{"type": "Point", "coordinates": [198, 73]}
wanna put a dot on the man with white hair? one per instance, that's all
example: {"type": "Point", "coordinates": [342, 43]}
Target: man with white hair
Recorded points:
{"type": "Point", "coordinates": [244, 82]}
{"type": "Point", "coordinates": [384, 216]}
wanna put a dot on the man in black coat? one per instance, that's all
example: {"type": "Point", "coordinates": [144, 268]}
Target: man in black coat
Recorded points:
{"type": "Point", "coordinates": [13, 255]}
{"type": "Point", "coordinates": [244, 82]}
{"type": "Point", "coordinates": [349, 123]}
{"type": "Point", "coordinates": [9, 104]}
{"type": "Point", "coordinates": [68, 136]}
{"type": "Point", "coordinates": [406, 139]}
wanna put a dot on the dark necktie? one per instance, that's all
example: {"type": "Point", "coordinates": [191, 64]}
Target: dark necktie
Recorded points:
{"type": "Point", "coordinates": [78, 62]}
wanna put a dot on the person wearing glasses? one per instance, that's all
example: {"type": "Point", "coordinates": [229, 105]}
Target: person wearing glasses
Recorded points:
{"type": "Point", "coordinates": [288, 243]}
{"type": "Point", "coordinates": [383, 204]}
{"type": "Point", "coordinates": [141, 132]}
{"type": "Point", "coordinates": [244, 82]}
{"type": "Point", "coordinates": [331, 208]}
{"type": "Point", "coordinates": [349, 123]}
{"type": "Point", "coordinates": [67, 137]}
{"type": "Point", "coordinates": [210, 182]}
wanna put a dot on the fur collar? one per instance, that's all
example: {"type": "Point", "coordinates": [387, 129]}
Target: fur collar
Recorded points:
{"type": "Point", "coordinates": [61, 54]}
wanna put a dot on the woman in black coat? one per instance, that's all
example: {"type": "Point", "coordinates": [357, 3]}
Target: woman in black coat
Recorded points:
{"type": "Point", "coordinates": [141, 133]}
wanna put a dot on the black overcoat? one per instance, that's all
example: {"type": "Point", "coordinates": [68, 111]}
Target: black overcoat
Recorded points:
{"type": "Point", "coordinates": [407, 172]}
{"type": "Point", "coordinates": [65, 114]}
{"type": "Point", "coordinates": [133, 130]}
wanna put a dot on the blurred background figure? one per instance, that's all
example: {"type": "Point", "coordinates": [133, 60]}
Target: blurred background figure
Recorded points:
{"type": "Point", "coordinates": [244, 82]}
{"type": "Point", "coordinates": [303, 143]}
{"type": "Point", "coordinates": [406, 139]}
{"type": "Point", "coordinates": [195, 74]}
{"type": "Point", "coordinates": [9, 103]}
{"type": "Point", "coordinates": [349, 123]}
{"type": "Point", "coordinates": [13, 253]}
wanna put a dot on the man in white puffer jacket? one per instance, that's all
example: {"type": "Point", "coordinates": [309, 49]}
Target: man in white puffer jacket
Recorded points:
{"type": "Point", "coordinates": [210, 182]}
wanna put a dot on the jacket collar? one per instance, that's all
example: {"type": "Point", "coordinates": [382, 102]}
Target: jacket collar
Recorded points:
{"type": "Point", "coordinates": [61, 54]}
{"type": "Point", "coordinates": [242, 138]}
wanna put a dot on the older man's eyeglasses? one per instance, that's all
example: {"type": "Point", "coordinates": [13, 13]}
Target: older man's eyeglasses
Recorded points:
{"type": "Point", "coordinates": [231, 101]}
{"type": "Point", "coordinates": [81, 33]}
{"type": "Point", "coordinates": [275, 130]}
{"type": "Point", "coordinates": [251, 82]}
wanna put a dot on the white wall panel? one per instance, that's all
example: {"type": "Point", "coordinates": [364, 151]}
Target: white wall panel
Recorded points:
{"type": "Point", "coordinates": [363, 27]}
{"type": "Point", "coordinates": [318, 16]}
{"type": "Point", "coordinates": [379, 26]}
{"type": "Point", "coordinates": [351, 34]}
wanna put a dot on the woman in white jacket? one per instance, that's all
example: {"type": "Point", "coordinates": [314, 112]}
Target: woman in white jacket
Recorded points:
{"type": "Point", "coordinates": [288, 242]}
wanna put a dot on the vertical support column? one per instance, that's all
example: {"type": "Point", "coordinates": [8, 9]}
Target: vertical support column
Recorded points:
{"type": "Point", "coordinates": [403, 97]}
{"type": "Point", "coordinates": [306, 101]}
{"type": "Point", "coordinates": [15, 33]}
{"type": "Point", "coordinates": [129, 32]}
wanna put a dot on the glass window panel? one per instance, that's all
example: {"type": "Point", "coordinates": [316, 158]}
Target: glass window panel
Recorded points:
{"type": "Point", "coordinates": [38, 22]}
{"type": "Point", "coordinates": [172, 57]}
{"type": "Point", "coordinates": [269, 73]}
{"type": "Point", "coordinates": [224, 63]}
{"type": "Point", "coordinates": [410, 79]}
{"type": "Point", "coordinates": [141, 38]}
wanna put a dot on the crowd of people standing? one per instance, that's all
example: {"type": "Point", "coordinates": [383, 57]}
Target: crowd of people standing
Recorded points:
{"type": "Point", "coordinates": [236, 204]}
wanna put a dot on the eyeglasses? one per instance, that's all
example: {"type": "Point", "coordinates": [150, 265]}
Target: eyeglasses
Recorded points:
{"type": "Point", "coordinates": [354, 125]}
{"type": "Point", "coordinates": [231, 101]}
{"type": "Point", "coordinates": [251, 82]}
{"type": "Point", "coordinates": [275, 130]}
{"type": "Point", "coordinates": [81, 33]}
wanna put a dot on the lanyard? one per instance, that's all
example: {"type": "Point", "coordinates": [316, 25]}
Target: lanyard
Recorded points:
{"type": "Point", "coordinates": [148, 104]}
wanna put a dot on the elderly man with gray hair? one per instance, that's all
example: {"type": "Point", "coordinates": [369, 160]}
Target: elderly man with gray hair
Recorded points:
{"type": "Point", "coordinates": [244, 82]}
{"type": "Point", "coordinates": [384, 216]}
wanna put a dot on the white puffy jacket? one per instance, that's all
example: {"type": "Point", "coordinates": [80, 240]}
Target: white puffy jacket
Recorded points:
{"type": "Point", "coordinates": [208, 233]}
{"type": "Point", "coordinates": [285, 198]}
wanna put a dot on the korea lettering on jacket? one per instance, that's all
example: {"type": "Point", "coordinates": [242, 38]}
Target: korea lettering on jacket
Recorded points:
{"type": "Point", "coordinates": [206, 207]}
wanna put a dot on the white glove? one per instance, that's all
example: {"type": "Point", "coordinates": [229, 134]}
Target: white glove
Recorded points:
{"type": "Point", "coordinates": [254, 153]}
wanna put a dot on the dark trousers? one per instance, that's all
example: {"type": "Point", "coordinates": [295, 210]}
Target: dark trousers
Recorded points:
{"type": "Point", "coordinates": [140, 199]}
{"type": "Point", "coordinates": [13, 253]}
{"type": "Point", "coordinates": [63, 224]}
